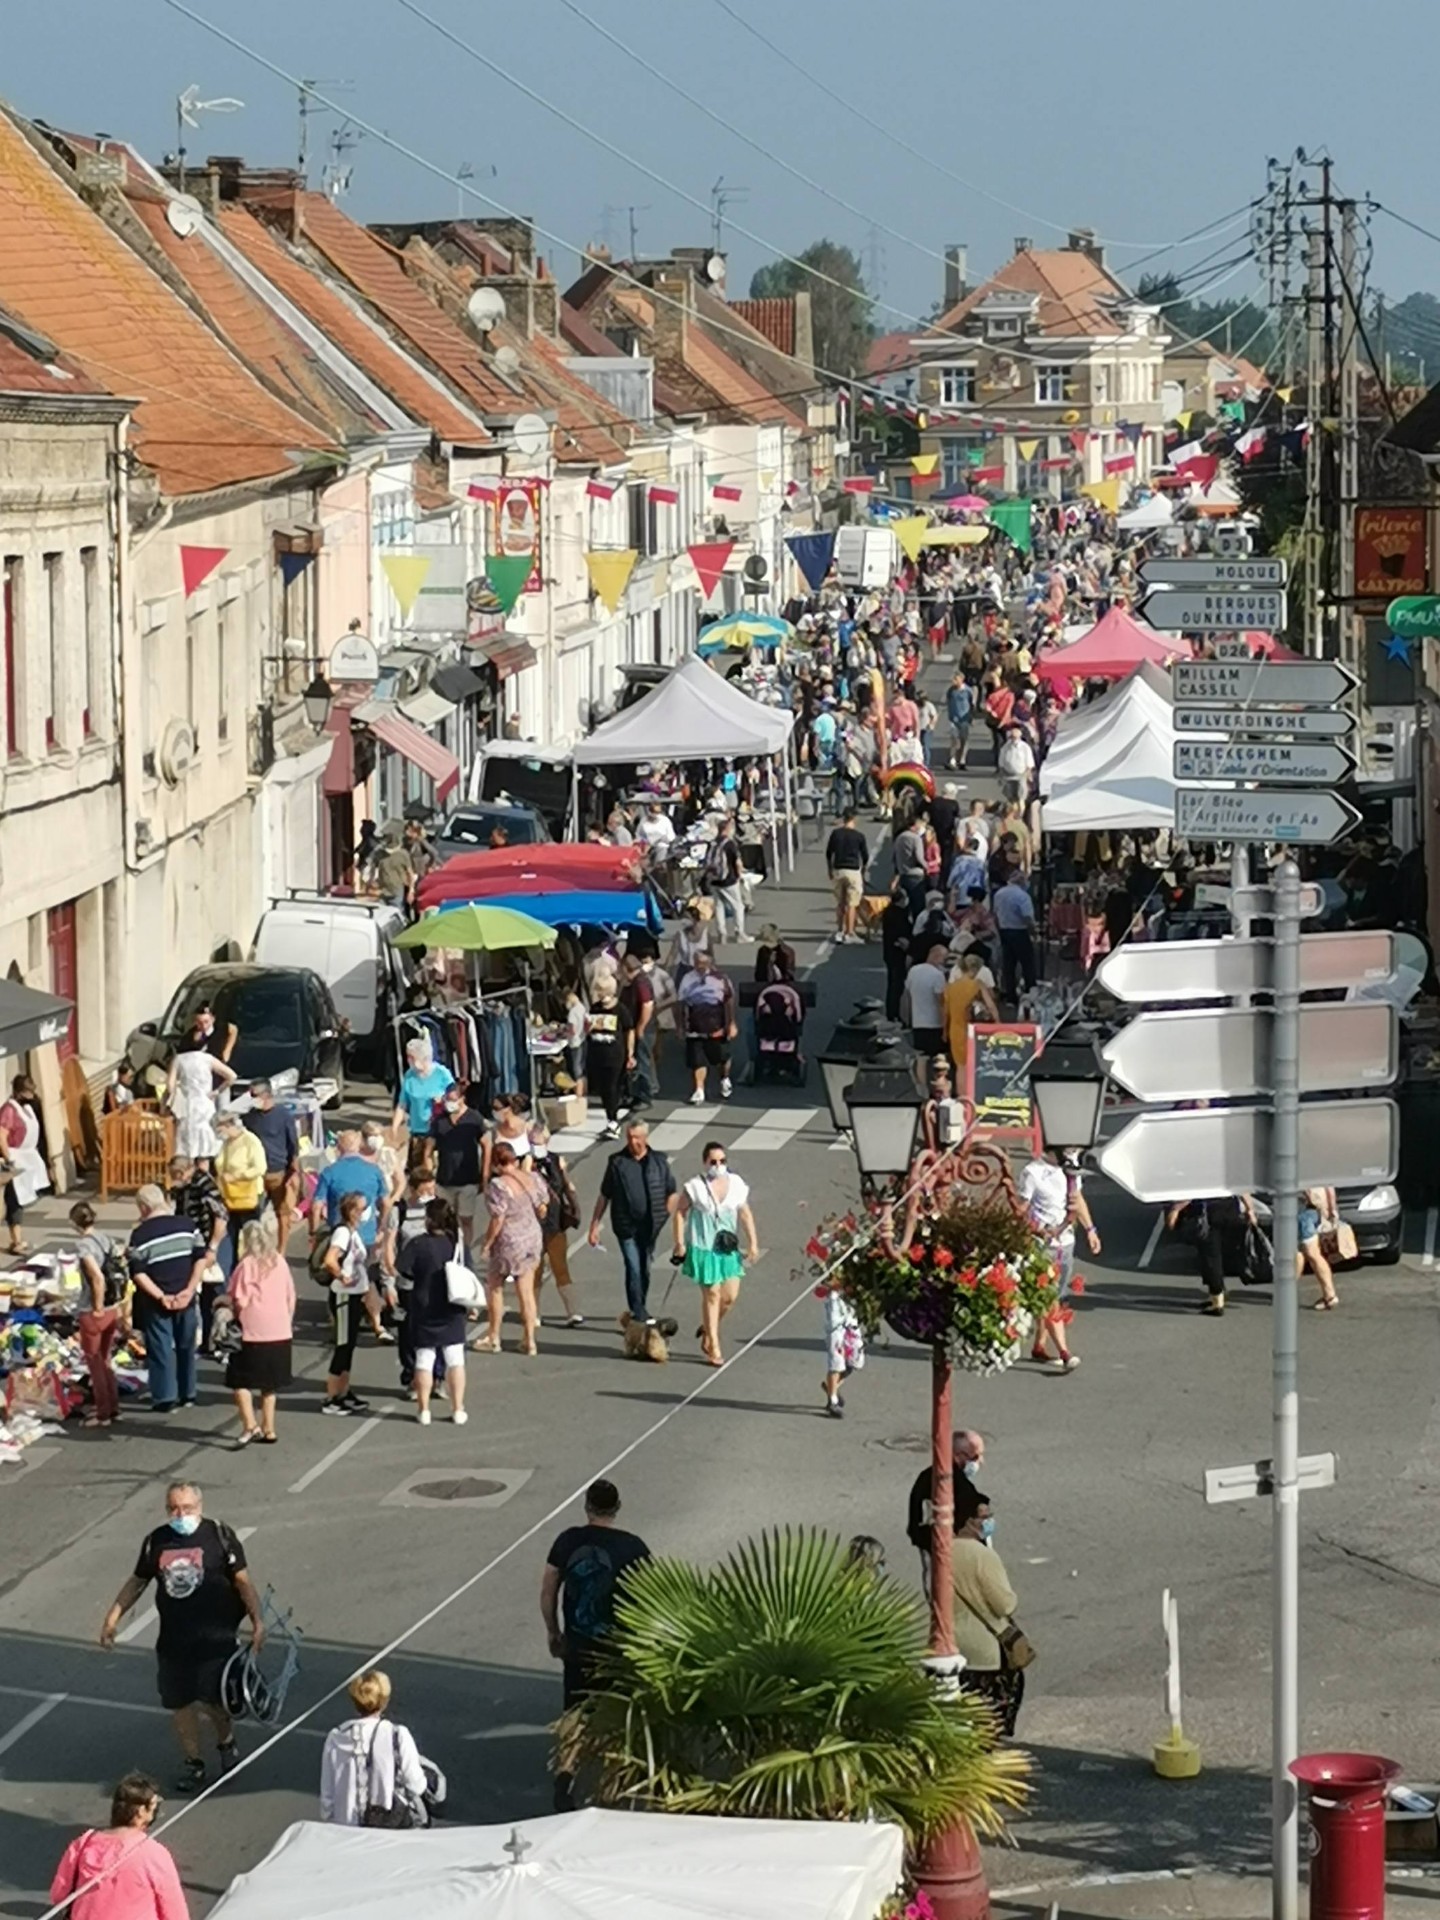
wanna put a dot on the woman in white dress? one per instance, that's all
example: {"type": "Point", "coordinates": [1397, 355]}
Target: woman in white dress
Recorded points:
{"type": "Point", "coordinates": [190, 1095]}
{"type": "Point", "coordinates": [20, 1156]}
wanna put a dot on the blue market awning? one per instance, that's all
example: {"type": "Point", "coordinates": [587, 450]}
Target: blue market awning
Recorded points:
{"type": "Point", "coordinates": [582, 909]}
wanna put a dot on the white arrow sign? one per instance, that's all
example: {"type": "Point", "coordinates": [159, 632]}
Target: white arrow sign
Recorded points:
{"type": "Point", "coordinates": [1213, 571]}
{"type": "Point", "coordinates": [1194, 610]}
{"type": "Point", "coordinates": [1258, 813]}
{"type": "Point", "coordinates": [1291, 763]}
{"type": "Point", "coordinates": [1264, 721]}
{"type": "Point", "coordinates": [1271, 683]}
{"type": "Point", "coordinates": [1210, 1151]}
{"type": "Point", "coordinates": [1224, 1053]}
{"type": "Point", "coordinates": [1215, 969]}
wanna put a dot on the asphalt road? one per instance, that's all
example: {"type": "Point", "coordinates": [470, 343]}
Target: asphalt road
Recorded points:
{"type": "Point", "coordinates": [379, 1532]}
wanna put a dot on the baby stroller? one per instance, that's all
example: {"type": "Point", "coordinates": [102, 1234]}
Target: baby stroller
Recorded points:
{"type": "Point", "coordinates": [779, 1022]}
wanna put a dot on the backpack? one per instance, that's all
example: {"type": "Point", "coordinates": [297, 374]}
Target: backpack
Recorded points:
{"type": "Point", "coordinates": [717, 864]}
{"type": "Point", "coordinates": [319, 1272]}
{"type": "Point", "coordinates": [588, 1583]}
{"type": "Point", "coordinates": [115, 1271]}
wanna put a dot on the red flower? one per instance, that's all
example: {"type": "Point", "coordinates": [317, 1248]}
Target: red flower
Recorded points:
{"type": "Point", "coordinates": [1077, 1285]}
{"type": "Point", "coordinates": [814, 1247]}
{"type": "Point", "coordinates": [967, 1277]}
{"type": "Point", "coordinates": [915, 1253]}
{"type": "Point", "coordinates": [821, 1292]}
{"type": "Point", "coordinates": [943, 1257]}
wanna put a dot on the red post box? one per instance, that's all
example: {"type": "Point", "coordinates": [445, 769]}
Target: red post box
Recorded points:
{"type": "Point", "coordinates": [1347, 1832]}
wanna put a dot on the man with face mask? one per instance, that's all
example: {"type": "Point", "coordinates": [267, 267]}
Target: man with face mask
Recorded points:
{"type": "Point", "coordinates": [968, 1449]}
{"type": "Point", "coordinates": [202, 1592]}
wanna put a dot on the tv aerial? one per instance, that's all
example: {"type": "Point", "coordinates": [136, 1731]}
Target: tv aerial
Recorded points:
{"type": "Point", "coordinates": [188, 108]}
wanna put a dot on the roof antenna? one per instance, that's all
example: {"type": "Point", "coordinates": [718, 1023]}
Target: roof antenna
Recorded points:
{"type": "Point", "coordinates": [188, 107]}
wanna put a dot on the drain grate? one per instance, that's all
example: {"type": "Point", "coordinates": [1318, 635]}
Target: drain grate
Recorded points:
{"type": "Point", "coordinates": [481, 1487]}
{"type": "Point", "coordinates": [468, 1488]}
{"type": "Point", "coordinates": [905, 1443]}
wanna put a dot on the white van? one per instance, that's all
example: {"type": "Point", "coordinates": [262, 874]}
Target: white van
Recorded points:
{"type": "Point", "coordinates": [347, 942]}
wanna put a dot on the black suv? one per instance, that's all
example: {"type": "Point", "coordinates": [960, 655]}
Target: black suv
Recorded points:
{"type": "Point", "coordinates": [284, 1018]}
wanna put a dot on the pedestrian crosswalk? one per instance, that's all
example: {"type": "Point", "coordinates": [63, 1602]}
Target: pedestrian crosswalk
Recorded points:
{"type": "Point", "coordinates": [683, 1125]}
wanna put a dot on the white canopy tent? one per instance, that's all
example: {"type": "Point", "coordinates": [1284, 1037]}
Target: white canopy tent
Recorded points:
{"type": "Point", "coordinates": [590, 1865]}
{"type": "Point", "coordinates": [1154, 512]}
{"type": "Point", "coordinates": [694, 714]}
{"type": "Point", "coordinates": [1112, 764]}
{"type": "Point", "coordinates": [1091, 736]}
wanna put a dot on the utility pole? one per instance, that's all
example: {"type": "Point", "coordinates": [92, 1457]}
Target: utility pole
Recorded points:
{"type": "Point", "coordinates": [1312, 532]}
{"type": "Point", "coordinates": [1348, 622]}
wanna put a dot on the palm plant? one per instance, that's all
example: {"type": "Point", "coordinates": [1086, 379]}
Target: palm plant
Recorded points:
{"type": "Point", "coordinates": [785, 1684]}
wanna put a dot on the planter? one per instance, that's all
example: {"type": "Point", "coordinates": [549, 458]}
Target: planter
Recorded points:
{"type": "Point", "coordinates": [951, 1876]}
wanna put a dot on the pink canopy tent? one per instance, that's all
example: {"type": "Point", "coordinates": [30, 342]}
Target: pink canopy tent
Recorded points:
{"type": "Point", "coordinates": [1269, 648]}
{"type": "Point", "coordinates": [1113, 647]}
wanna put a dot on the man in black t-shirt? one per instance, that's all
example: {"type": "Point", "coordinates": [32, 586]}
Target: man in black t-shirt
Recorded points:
{"type": "Point", "coordinates": [846, 857]}
{"type": "Point", "coordinates": [202, 1592]}
{"type": "Point", "coordinates": [583, 1570]}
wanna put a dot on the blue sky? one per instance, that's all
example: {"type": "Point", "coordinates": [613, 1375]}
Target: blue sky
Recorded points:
{"type": "Point", "coordinates": [1143, 120]}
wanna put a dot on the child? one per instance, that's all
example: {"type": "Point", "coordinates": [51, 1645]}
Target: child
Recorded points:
{"type": "Point", "coordinates": [844, 1347]}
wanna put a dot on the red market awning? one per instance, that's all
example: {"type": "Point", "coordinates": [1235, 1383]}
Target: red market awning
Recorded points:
{"type": "Point", "coordinates": [1113, 647]}
{"type": "Point", "coordinates": [554, 868]}
{"type": "Point", "coordinates": [421, 749]}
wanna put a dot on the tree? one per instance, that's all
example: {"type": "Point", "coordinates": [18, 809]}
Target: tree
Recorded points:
{"type": "Point", "coordinates": [786, 1685]}
{"type": "Point", "coordinates": [1230, 326]}
{"type": "Point", "coordinates": [840, 315]}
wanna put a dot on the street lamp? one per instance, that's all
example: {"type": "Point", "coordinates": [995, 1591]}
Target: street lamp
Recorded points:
{"type": "Point", "coordinates": [884, 1102]}
{"type": "Point", "coordinates": [1067, 1083]}
{"type": "Point", "coordinates": [317, 700]}
{"type": "Point", "coordinates": [853, 1040]}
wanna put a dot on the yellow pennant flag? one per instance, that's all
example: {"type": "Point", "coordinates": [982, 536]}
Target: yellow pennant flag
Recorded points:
{"type": "Point", "coordinates": [1285, 393]}
{"type": "Point", "coordinates": [911, 533]}
{"type": "Point", "coordinates": [407, 573]}
{"type": "Point", "coordinates": [610, 573]}
{"type": "Point", "coordinates": [1027, 449]}
{"type": "Point", "coordinates": [1182, 420]}
{"type": "Point", "coordinates": [767, 479]}
{"type": "Point", "coordinates": [1105, 493]}
{"type": "Point", "coordinates": [924, 463]}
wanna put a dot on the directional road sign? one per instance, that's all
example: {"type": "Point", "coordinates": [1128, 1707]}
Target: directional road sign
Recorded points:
{"type": "Point", "coordinates": [1177, 970]}
{"type": "Point", "coordinates": [1314, 722]}
{"type": "Point", "coordinates": [1213, 571]}
{"type": "Point", "coordinates": [1313, 1471]}
{"type": "Point", "coordinates": [1271, 683]}
{"type": "Point", "coordinates": [1289, 763]}
{"type": "Point", "coordinates": [1225, 1053]}
{"type": "Point", "coordinates": [1205, 1152]}
{"type": "Point", "coordinates": [1260, 813]}
{"type": "Point", "coordinates": [1215, 610]}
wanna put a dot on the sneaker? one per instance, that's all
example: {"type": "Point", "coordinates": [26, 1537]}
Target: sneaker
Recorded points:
{"type": "Point", "coordinates": [834, 1409]}
{"type": "Point", "coordinates": [384, 1337]}
{"type": "Point", "coordinates": [725, 1088]}
{"type": "Point", "coordinates": [576, 1320]}
{"type": "Point", "coordinates": [1067, 1365]}
{"type": "Point", "coordinates": [352, 1400]}
{"type": "Point", "coordinates": [163, 1406]}
{"type": "Point", "coordinates": [191, 1777]}
{"type": "Point", "coordinates": [459, 1417]}
{"type": "Point", "coordinates": [612, 1130]}
{"type": "Point", "coordinates": [336, 1408]}
{"type": "Point", "coordinates": [697, 1099]}
{"type": "Point", "coordinates": [191, 1402]}
{"type": "Point", "coordinates": [423, 1416]}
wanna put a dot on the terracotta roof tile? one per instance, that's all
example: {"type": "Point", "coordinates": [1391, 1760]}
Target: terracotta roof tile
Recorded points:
{"type": "Point", "coordinates": [387, 365]}
{"type": "Point", "coordinates": [47, 375]}
{"type": "Point", "coordinates": [1073, 291]}
{"type": "Point", "coordinates": [734, 387]}
{"type": "Point", "coordinates": [890, 352]}
{"type": "Point", "coordinates": [774, 318]}
{"type": "Point", "coordinates": [589, 427]}
{"type": "Point", "coordinates": [202, 420]}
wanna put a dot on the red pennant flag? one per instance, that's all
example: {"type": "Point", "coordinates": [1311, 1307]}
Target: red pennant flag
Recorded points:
{"type": "Point", "coordinates": [792, 487]}
{"type": "Point", "coordinates": [597, 489]}
{"type": "Point", "coordinates": [727, 493]}
{"type": "Point", "coordinates": [709, 558]}
{"type": "Point", "coordinates": [1251, 444]}
{"type": "Point", "coordinates": [482, 490]}
{"type": "Point", "coordinates": [198, 563]}
{"type": "Point", "coordinates": [987, 476]}
{"type": "Point", "coordinates": [1057, 465]}
{"type": "Point", "coordinates": [860, 483]}
{"type": "Point", "coordinates": [1120, 463]}
{"type": "Point", "coordinates": [1199, 471]}
{"type": "Point", "coordinates": [1080, 439]}
{"type": "Point", "coordinates": [665, 496]}
{"type": "Point", "coordinates": [926, 479]}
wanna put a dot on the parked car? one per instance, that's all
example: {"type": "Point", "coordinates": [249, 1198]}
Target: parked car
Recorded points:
{"type": "Point", "coordinates": [1374, 1214]}
{"type": "Point", "coordinates": [347, 942]}
{"type": "Point", "coordinates": [285, 1020]}
{"type": "Point", "coordinates": [469, 827]}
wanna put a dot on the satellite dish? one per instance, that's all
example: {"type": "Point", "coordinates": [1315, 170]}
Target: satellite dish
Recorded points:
{"type": "Point", "coordinates": [185, 214]}
{"type": "Point", "coordinates": [715, 268]}
{"type": "Point", "coordinates": [486, 307]}
{"type": "Point", "coordinates": [507, 359]}
{"type": "Point", "coordinates": [532, 436]}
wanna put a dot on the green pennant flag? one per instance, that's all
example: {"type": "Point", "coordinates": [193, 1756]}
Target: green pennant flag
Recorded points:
{"type": "Point", "coordinates": [1012, 517]}
{"type": "Point", "coordinates": [507, 574]}
{"type": "Point", "coordinates": [974, 456]}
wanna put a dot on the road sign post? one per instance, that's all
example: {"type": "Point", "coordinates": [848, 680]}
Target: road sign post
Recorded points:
{"type": "Point", "coordinates": [1285, 1406]}
{"type": "Point", "coordinates": [1315, 818]}
{"type": "Point", "coordinates": [1224, 1053]}
{"type": "Point", "coordinates": [1215, 610]}
{"type": "Point", "coordinates": [1287, 762]}
{"type": "Point", "coordinates": [1213, 570]}
{"type": "Point", "coordinates": [1301, 683]}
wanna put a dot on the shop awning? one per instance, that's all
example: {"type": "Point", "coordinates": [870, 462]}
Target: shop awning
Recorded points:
{"type": "Point", "coordinates": [508, 653]}
{"type": "Point", "coordinates": [427, 708]}
{"type": "Point", "coordinates": [457, 683]}
{"type": "Point", "coordinates": [402, 736]}
{"type": "Point", "coordinates": [28, 1018]}
{"type": "Point", "coordinates": [340, 769]}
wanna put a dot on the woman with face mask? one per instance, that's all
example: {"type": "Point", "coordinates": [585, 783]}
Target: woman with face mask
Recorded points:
{"type": "Point", "coordinates": [711, 1213]}
{"type": "Point", "coordinates": [984, 1605]}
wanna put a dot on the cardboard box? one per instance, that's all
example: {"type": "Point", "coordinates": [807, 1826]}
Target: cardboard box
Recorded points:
{"type": "Point", "coordinates": [1412, 1833]}
{"type": "Point", "coordinates": [563, 1110]}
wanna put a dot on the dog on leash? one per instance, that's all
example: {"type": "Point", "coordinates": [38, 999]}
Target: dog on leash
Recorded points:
{"type": "Point", "coordinates": [647, 1343]}
{"type": "Point", "coordinates": [870, 912]}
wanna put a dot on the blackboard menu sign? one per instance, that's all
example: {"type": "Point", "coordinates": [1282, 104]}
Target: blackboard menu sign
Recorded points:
{"type": "Point", "coordinates": [997, 1080]}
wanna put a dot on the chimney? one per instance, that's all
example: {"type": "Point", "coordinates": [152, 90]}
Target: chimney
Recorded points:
{"type": "Point", "coordinates": [955, 260]}
{"type": "Point", "coordinates": [673, 300]}
{"type": "Point", "coordinates": [804, 329]}
{"type": "Point", "coordinates": [1083, 240]}
{"type": "Point", "coordinates": [1023, 243]}
{"type": "Point", "coordinates": [698, 260]}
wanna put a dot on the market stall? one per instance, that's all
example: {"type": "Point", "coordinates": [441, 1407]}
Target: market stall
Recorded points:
{"type": "Point", "coordinates": [1113, 647]}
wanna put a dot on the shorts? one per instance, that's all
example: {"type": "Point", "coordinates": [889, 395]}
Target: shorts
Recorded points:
{"type": "Point", "coordinates": [190, 1679]}
{"type": "Point", "coordinates": [1307, 1225]}
{"type": "Point", "coordinates": [702, 1052]}
{"type": "Point", "coordinates": [278, 1187]}
{"type": "Point", "coordinates": [465, 1200]}
{"type": "Point", "coordinates": [579, 1671]}
{"type": "Point", "coordinates": [847, 886]}
{"type": "Point", "coordinates": [453, 1357]}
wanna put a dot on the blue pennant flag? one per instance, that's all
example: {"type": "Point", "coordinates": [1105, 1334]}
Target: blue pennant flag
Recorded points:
{"type": "Point", "coordinates": [1131, 432]}
{"type": "Point", "coordinates": [292, 565]}
{"type": "Point", "coordinates": [813, 553]}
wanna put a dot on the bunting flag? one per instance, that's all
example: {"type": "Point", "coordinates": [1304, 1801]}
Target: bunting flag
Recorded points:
{"type": "Point", "coordinates": [792, 487]}
{"type": "Point", "coordinates": [197, 564]}
{"type": "Point", "coordinates": [1285, 393]}
{"type": "Point", "coordinates": [1251, 444]}
{"type": "Point", "coordinates": [482, 490]}
{"type": "Point", "coordinates": [1130, 430]}
{"type": "Point", "coordinates": [292, 565]}
{"type": "Point", "coordinates": [924, 464]}
{"type": "Point", "coordinates": [768, 479]}
{"type": "Point", "coordinates": [507, 574]}
{"type": "Point", "coordinates": [708, 559]}
{"type": "Point", "coordinates": [1012, 518]}
{"type": "Point", "coordinates": [1057, 465]}
{"type": "Point", "coordinates": [665, 496]}
{"type": "Point", "coordinates": [610, 573]}
{"type": "Point", "coordinates": [1027, 449]}
{"type": "Point", "coordinates": [924, 480]}
{"type": "Point", "coordinates": [813, 553]}
{"type": "Point", "coordinates": [1200, 469]}
{"type": "Point", "coordinates": [974, 456]}
{"type": "Point", "coordinates": [1231, 410]}
{"type": "Point", "coordinates": [910, 532]}
{"type": "Point", "coordinates": [1120, 463]}
{"type": "Point", "coordinates": [732, 494]}
{"type": "Point", "coordinates": [1182, 420]}
{"type": "Point", "coordinates": [1105, 493]}
{"type": "Point", "coordinates": [859, 483]}
{"type": "Point", "coordinates": [988, 476]}
{"type": "Point", "coordinates": [601, 489]}
{"type": "Point", "coordinates": [1191, 450]}
{"type": "Point", "coordinates": [407, 573]}
{"type": "Point", "coordinates": [1080, 439]}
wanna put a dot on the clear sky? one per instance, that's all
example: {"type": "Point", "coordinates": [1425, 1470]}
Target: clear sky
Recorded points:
{"type": "Point", "coordinates": [1141, 118]}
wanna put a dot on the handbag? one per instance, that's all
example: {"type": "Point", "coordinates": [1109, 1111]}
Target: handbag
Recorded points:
{"type": "Point", "coordinates": [1257, 1258]}
{"type": "Point", "coordinates": [402, 1812]}
{"type": "Point", "coordinates": [1016, 1649]}
{"type": "Point", "coordinates": [1338, 1242]}
{"type": "Point", "coordinates": [462, 1284]}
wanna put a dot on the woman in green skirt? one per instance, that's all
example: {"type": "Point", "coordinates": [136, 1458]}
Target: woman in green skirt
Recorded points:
{"type": "Point", "coordinates": [713, 1210]}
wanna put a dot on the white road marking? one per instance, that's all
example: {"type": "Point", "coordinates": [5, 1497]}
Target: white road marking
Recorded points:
{"type": "Point", "coordinates": [1150, 1245]}
{"type": "Point", "coordinates": [681, 1128]}
{"type": "Point", "coordinates": [113, 1706]}
{"type": "Point", "coordinates": [134, 1628]}
{"type": "Point", "coordinates": [822, 954]}
{"type": "Point", "coordinates": [36, 1714]}
{"type": "Point", "coordinates": [1432, 1219]}
{"type": "Point", "coordinates": [338, 1452]}
{"type": "Point", "coordinates": [573, 1141]}
{"type": "Point", "coordinates": [516, 1730]}
{"type": "Point", "coordinates": [773, 1129]}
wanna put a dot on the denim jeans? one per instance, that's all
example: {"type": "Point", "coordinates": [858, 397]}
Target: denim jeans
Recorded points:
{"type": "Point", "coordinates": [636, 1256]}
{"type": "Point", "coordinates": [170, 1352]}
{"type": "Point", "coordinates": [647, 1085]}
